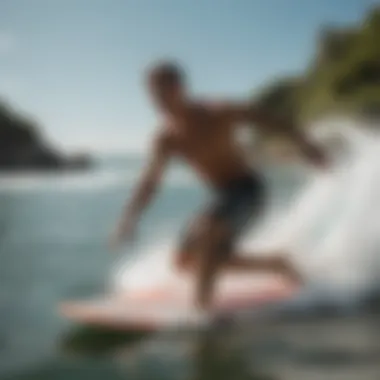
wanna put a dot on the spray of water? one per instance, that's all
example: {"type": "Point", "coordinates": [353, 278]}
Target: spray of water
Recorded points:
{"type": "Point", "coordinates": [331, 229]}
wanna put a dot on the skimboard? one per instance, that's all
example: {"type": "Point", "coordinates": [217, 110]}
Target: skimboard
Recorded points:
{"type": "Point", "coordinates": [171, 305]}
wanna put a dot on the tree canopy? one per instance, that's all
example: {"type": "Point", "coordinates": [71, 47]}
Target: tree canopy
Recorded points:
{"type": "Point", "coordinates": [344, 75]}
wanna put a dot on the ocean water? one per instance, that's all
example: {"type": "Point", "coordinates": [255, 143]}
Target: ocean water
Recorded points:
{"type": "Point", "coordinates": [53, 246]}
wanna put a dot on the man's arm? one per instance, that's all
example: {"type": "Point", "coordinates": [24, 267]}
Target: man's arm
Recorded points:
{"type": "Point", "coordinates": [248, 113]}
{"type": "Point", "coordinates": [147, 185]}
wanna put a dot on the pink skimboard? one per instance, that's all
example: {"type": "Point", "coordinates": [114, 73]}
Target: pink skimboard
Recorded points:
{"type": "Point", "coordinates": [169, 305]}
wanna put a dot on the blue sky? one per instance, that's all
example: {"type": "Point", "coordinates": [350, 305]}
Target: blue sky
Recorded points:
{"type": "Point", "coordinates": [77, 65]}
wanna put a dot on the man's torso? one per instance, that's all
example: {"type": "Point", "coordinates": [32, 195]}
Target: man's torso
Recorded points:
{"type": "Point", "coordinates": [205, 139]}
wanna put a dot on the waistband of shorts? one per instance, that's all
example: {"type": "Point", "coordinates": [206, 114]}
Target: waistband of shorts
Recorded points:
{"type": "Point", "coordinates": [247, 180]}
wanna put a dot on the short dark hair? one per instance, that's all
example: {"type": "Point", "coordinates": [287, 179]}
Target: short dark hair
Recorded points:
{"type": "Point", "coordinates": [167, 72]}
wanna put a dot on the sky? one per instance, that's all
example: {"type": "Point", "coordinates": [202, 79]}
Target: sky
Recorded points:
{"type": "Point", "coordinates": [76, 66]}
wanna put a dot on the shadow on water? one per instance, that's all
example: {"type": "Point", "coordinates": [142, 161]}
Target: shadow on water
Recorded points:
{"type": "Point", "coordinates": [343, 348]}
{"type": "Point", "coordinates": [91, 341]}
{"type": "Point", "coordinates": [201, 355]}
{"type": "Point", "coordinates": [83, 353]}
{"type": "Point", "coordinates": [93, 353]}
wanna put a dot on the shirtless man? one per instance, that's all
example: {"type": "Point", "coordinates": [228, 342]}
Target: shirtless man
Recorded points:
{"type": "Point", "coordinates": [202, 135]}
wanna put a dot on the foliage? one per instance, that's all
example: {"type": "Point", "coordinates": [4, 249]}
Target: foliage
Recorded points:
{"type": "Point", "coordinates": [344, 75]}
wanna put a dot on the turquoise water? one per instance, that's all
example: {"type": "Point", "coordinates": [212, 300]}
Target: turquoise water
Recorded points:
{"type": "Point", "coordinates": [53, 236]}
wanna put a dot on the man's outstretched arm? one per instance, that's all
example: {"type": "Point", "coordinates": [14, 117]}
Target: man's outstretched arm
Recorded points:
{"type": "Point", "coordinates": [146, 189]}
{"type": "Point", "coordinates": [248, 113]}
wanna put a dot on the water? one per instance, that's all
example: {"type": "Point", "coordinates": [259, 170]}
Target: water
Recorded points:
{"type": "Point", "coordinates": [54, 232]}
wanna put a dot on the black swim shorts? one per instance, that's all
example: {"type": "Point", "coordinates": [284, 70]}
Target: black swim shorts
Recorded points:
{"type": "Point", "coordinates": [238, 204]}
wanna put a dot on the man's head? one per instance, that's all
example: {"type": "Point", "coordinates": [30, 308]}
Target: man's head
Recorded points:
{"type": "Point", "coordinates": [166, 82]}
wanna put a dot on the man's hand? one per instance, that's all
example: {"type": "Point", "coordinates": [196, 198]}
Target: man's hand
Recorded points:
{"type": "Point", "coordinates": [147, 187]}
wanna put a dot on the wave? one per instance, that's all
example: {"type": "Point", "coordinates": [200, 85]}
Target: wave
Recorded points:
{"type": "Point", "coordinates": [331, 228]}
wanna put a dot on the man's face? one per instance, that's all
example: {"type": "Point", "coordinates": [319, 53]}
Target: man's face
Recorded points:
{"type": "Point", "coordinates": [166, 96]}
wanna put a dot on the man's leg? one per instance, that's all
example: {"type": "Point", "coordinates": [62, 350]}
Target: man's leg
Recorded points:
{"type": "Point", "coordinates": [209, 259]}
{"type": "Point", "coordinates": [276, 263]}
{"type": "Point", "coordinates": [208, 249]}
{"type": "Point", "coordinates": [241, 204]}
{"type": "Point", "coordinates": [212, 258]}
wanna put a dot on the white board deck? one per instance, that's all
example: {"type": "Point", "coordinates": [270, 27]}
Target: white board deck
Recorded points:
{"type": "Point", "coordinates": [154, 309]}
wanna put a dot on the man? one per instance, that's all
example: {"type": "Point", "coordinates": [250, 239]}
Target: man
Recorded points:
{"type": "Point", "coordinates": [202, 134]}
